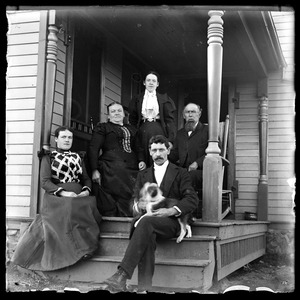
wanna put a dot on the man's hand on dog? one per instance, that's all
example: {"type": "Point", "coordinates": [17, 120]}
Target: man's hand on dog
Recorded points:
{"type": "Point", "coordinates": [165, 212]}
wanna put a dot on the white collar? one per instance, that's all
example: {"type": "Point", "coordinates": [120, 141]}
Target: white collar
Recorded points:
{"type": "Point", "coordinates": [162, 167]}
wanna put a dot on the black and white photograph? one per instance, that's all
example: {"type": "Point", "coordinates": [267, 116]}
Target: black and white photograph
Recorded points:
{"type": "Point", "coordinates": [150, 149]}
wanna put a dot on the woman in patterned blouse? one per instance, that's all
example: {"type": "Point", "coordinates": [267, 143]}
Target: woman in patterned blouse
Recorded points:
{"type": "Point", "coordinates": [67, 228]}
{"type": "Point", "coordinates": [113, 163]}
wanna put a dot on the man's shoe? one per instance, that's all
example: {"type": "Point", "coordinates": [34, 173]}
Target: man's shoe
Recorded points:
{"type": "Point", "coordinates": [117, 282]}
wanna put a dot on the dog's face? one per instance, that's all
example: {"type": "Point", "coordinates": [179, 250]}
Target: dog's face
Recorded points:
{"type": "Point", "coordinates": [149, 193]}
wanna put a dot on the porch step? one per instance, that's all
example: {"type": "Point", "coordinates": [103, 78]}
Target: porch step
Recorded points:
{"type": "Point", "coordinates": [187, 265]}
{"type": "Point", "coordinates": [169, 273]}
{"type": "Point", "coordinates": [196, 247]}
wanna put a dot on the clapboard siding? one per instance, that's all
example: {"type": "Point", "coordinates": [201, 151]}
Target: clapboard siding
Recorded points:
{"type": "Point", "coordinates": [112, 76]}
{"type": "Point", "coordinates": [285, 27]}
{"type": "Point", "coordinates": [282, 139]}
{"type": "Point", "coordinates": [247, 149]}
{"type": "Point", "coordinates": [22, 69]}
{"type": "Point", "coordinates": [281, 135]}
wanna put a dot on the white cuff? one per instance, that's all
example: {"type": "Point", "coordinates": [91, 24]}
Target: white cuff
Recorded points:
{"type": "Point", "coordinates": [179, 211]}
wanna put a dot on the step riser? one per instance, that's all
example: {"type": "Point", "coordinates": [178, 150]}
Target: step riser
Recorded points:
{"type": "Point", "coordinates": [165, 249]}
{"type": "Point", "coordinates": [119, 227]}
{"type": "Point", "coordinates": [164, 276]}
{"type": "Point", "coordinates": [115, 226]}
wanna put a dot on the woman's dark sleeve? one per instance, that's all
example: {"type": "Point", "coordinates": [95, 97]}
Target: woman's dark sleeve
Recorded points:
{"type": "Point", "coordinates": [85, 178]}
{"type": "Point", "coordinates": [96, 143]}
{"type": "Point", "coordinates": [133, 113]}
{"type": "Point", "coordinates": [46, 176]}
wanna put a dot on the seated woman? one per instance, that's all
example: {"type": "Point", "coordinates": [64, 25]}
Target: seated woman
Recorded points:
{"type": "Point", "coordinates": [67, 228]}
{"type": "Point", "coordinates": [113, 163]}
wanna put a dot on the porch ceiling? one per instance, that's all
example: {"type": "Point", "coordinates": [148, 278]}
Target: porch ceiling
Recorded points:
{"type": "Point", "coordinates": [173, 40]}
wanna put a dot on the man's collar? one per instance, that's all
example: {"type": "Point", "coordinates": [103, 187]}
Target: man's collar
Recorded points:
{"type": "Point", "coordinates": [164, 165]}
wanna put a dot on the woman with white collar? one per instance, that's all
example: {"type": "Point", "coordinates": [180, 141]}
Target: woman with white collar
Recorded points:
{"type": "Point", "coordinates": [152, 114]}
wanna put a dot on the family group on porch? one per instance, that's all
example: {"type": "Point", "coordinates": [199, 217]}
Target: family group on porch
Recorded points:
{"type": "Point", "coordinates": [121, 158]}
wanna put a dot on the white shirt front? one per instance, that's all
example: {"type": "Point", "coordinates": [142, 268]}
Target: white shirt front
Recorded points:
{"type": "Point", "coordinates": [159, 171]}
{"type": "Point", "coordinates": [150, 107]}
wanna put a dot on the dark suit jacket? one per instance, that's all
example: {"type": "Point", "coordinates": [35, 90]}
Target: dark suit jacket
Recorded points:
{"type": "Point", "coordinates": [188, 149]}
{"type": "Point", "coordinates": [175, 184]}
{"type": "Point", "coordinates": [166, 112]}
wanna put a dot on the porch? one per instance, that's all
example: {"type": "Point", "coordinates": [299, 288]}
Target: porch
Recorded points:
{"type": "Point", "coordinates": [215, 251]}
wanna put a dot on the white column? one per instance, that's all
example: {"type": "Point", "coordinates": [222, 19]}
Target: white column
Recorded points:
{"type": "Point", "coordinates": [212, 165]}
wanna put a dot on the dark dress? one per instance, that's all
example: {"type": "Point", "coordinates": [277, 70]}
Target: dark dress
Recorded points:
{"type": "Point", "coordinates": [67, 228]}
{"type": "Point", "coordinates": [165, 125]}
{"type": "Point", "coordinates": [117, 165]}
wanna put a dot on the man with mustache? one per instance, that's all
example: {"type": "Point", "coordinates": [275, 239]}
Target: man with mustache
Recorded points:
{"type": "Point", "coordinates": [174, 182]}
{"type": "Point", "coordinates": [190, 144]}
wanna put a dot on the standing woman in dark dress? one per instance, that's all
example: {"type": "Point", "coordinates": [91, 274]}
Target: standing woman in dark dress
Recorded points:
{"type": "Point", "coordinates": [67, 228]}
{"type": "Point", "coordinates": [152, 114]}
{"type": "Point", "coordinates": [114, 171]}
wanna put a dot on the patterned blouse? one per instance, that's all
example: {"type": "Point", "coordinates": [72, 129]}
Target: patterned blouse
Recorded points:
{"type": "Point", "coordinates": [66, 166]}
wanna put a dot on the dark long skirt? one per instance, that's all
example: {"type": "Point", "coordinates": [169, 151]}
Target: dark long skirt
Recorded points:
{"type": "Point", "coordinates": [145, 132]}
{"type": "Point", "coordinates": [118, 176]}
{"type": "Point", "coordinates": [64, 232]}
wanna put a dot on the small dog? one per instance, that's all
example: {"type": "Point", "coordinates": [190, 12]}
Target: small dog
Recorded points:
{"type": "Point", "coordinates": [151, 199]}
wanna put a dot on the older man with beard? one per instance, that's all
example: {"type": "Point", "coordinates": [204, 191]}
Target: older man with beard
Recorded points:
{"type": "Point", "coordinates": [190, 144]}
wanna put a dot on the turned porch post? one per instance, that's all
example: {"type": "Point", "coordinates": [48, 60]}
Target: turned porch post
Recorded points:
{"type": "Point", "coordinates": [262, 199]}
{"type": "Point", "coordinates": [212, 165]}
{"type": "Point", "coordinates": [51, 58]}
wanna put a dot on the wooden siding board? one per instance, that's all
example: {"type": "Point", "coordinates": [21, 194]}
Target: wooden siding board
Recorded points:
{"type": "Point", "coordinates": [21, 82]}
{"type": "Point", "coordinates": [22, 190]}
{"type": "Point", "coordinates": [18, 170]}
{"type": "Point", "coordinates": [282, 174]}
{"type": "Point", "coordinates": [22, 16]}
{"type": "Point", "coordinates": [14, 104]}
{"type": "Point", "coordinates": [15, 211]}
{"type": "Point", "coordinates": [17, 115]}
{"type": "Point", "coordinates": [20, 159]}
{"type": "Point", "coordinates": [20, 28]}
{"type": "Point", "coordinates": [18, 201]}
{"type": "Point", "coordinates": [253, 181]}
{"type": "Point", "coordinates": [16, 71]}
{"type": "Point", "coordinates": [24, 38]}
{"type": "Point", "coordinates": [19, 149]}
{"type": "Point", "coordinates": [279, 218]}
{"type": "Point", "coordinates": [20, 60]}
{"type": "Point", "coordinates": [22, 49]}
{"type": "Point", "coordinates": [18, 179]}
{"type": "Point", "coordinates": [16, 93]}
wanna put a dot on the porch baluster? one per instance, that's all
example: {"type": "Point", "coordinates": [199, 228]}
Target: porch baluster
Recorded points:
{"type": "Point", "coordinates": [51, 58]}
{"type": "Point", "coordinates": [212, 165]}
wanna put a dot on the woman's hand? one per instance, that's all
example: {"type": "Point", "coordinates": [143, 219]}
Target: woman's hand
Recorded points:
{"type": "Point", "coordinates": [96, 177]}
{"type": "Point", "coordinates": [142, 165]}
{"type": "Point", "coordinates": [67, 194]}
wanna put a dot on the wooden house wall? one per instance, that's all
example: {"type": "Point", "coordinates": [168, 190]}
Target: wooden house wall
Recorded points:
{"type": "Point", "coordinates": [281, 135]}
{"type": "Point", "coordinates": [247, 148]}
{"type": "Point", "coordinates": [25, 40]}
{"type": "Point", "coordinates": [111, 76]}
{"type": "Point", "coordinates": [282, 140]}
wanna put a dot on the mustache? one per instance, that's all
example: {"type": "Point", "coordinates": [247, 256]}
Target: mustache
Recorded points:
{"type": "Point", "coordinates": [158, 158]}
